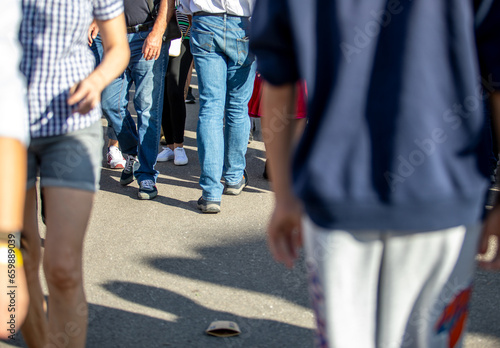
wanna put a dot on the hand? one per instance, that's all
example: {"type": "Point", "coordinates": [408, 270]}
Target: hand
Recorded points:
{"type": "Point", "coordinates": [491, 228]}
{"type": "Point", "coordinates": [93, 31]}
{"type": "Point", "coordinates": [87, 93]}
{"type": "Point", "coordinates": [284, 233]}
{"type": "Point", "coordinates": [152, 45]}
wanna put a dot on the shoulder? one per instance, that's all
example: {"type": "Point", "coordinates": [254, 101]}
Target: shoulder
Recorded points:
{"type": "Point", "coordinates": [107, 9]}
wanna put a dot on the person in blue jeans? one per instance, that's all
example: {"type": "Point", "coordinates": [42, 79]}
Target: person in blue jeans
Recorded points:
{"type": "Point", "coordinates": [226, 72]}
{"type": "Point", "coordinates": [146, 69]}
{"type": "Point", "coordinates": [114, 157]}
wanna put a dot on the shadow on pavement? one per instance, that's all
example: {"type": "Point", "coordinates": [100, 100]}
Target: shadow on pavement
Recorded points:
{"type": "Point", "coordinates": [245, 265]}
{"type": "Point", "coordinates": [484, 316]}
{"type": "Point", "coordinates": [116, 328]}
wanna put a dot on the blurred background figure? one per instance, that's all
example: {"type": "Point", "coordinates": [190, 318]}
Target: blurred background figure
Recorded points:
{"type": "Point", "coordinates": [13, 141]}
{"type": "Point", "coordinates": [300, 110]}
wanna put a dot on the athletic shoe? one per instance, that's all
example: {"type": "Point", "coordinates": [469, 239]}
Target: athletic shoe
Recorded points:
{"type": "Point", "coordinates": [209, 207]}
{"type": "Point", "coordinates": [236, 189]}
{"type": "Point", "coordinates": [190, 99]}
{"type": "Point", "coordinates": [147, 189]}
{"type": "Point", "coordinates": [166, 155]}
{"type": "Point", "coordinates": [128, 172]}
{"type": "Point", "coordinates": [115, 158]}
{"type": "Point", "coordinates": [180, 157]}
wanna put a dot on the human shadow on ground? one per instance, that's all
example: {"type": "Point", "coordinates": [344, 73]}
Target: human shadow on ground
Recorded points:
{"type": "Point", "coordinates": [245, 265]}
{"type": "Point", "coordinates": [111, 327]}
{"type": "Point", "coordinates": [117, 328]}
{"type": "Point", "coordinates": [484, 315]}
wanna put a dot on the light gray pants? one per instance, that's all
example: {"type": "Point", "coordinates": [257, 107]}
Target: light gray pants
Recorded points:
{"type": "Point", "coordinates": [389, 289]}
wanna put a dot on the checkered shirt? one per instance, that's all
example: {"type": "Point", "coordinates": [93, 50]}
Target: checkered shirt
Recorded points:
{"type": "Point", "coordinates": [57, 56]}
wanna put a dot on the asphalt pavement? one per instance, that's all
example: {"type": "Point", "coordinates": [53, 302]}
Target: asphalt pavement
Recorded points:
{"type": "Point", "coordinates": [158, 272]}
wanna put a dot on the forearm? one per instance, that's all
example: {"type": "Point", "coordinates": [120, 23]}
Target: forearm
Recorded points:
{"type": "Point", "coordinates": [165, 12]}
{"type": "Point", "coordinates": [12, 185]}
{"type": "Point", "coordinates": [277, 129]}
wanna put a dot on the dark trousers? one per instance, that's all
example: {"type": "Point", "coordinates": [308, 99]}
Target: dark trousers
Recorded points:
{"type": "Point", "coordinates": [174, 107]}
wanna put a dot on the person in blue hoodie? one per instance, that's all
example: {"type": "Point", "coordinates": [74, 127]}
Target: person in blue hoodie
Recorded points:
{"type": "Point", "coordinates": [387, 187]}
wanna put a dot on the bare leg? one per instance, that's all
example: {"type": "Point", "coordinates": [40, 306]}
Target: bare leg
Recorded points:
{"type": "Point", "coordinates": [68, 212]}
{"type": "Point", "coordinates": [175, 145]}
{"type": "Point", "coordinates": [13, 301]}
{"type": "Point", "coordinates": [298, 129]}
{"type": "Point", "coordinates": [12, 185]}
{"type": "Point", "coordinates": [35, 326]}
{"type": "Point", "coordinates": [112, 142]}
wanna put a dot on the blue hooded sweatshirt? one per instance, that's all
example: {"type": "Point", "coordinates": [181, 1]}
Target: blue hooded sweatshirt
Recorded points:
{"type": "Point", "coordinates": [395, 129]}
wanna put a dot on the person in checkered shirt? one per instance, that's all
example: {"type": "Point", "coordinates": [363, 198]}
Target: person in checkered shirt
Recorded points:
{"type": "Point", "coordinates": [65, 152]}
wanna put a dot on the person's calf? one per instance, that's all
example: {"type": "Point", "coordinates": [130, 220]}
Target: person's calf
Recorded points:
{"type": "Point", "coordinates": [67, 304]}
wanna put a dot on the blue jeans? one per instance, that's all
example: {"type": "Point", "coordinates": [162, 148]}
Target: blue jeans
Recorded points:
{"type": "Point", "coordinates": [98, 50]}
{"type": "Point", "coordinates": [149, 76]}
{"type": "Point", "coordinates": [226, 73]}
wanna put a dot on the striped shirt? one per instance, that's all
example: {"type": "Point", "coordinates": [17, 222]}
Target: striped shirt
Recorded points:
{"type": "Point", "coordinates": [56, 56]}
{"type": "Point", "coordinates": [184, 26]}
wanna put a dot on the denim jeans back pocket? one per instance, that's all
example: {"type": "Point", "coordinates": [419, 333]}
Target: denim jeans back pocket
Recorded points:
{"type": "Point", "coordinates": [202, 42]}
{"type": "Point", "coordinates": [245, 57]}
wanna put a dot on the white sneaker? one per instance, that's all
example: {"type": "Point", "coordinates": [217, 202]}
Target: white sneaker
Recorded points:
{"type": "Point", "coordinates": [115, 158]}
{"type": "Point", "coordinates": [180, 157]}
{"type": "Point", "coordinates": [166, 155]}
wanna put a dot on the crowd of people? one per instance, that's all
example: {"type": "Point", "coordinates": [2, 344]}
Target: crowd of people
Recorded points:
{"type": "Point", "coordinates": [386, 188]}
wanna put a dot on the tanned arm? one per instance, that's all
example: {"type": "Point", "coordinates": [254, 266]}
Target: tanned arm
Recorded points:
{"type": "Point", "coordinates": [152, 45]}
{"type": "Point", "coordinates": [284, 230]}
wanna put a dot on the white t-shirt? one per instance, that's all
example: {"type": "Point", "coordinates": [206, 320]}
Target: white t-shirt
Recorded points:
{"type": "Point", "coordinates": [13, 112]}
{"type": "Point", "coordinates": [242, 8]}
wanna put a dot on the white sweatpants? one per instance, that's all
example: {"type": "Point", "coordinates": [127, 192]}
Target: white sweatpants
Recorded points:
{"type": "Point", "coordinates": [389, 289]}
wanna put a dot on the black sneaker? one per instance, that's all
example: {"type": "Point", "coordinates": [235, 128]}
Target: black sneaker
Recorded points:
{"type": "Point", "coordinates": [236, 189]}
{"type": "Point", "coordinates": [210, 207]}
{"type": "Point", "coordinates": [128, 172]}
{"type": "Point", "coordinates": [190, 99]}
{"type": "Point", "coordinates": [147, 189]}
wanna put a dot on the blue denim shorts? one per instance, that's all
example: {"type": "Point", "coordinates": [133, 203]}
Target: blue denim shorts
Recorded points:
{"type": "Point", "coordinates": [71, 160]}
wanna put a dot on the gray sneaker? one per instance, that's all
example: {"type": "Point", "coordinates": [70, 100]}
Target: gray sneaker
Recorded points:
{"type": "Point", "coordinates": [147, 189]}
{"type": "Point", "coordinates": [210, 207]}
{"type": "Point", "coordinates": [128, 172]}
{"type": "Point", "coordinates": [236, 189]}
